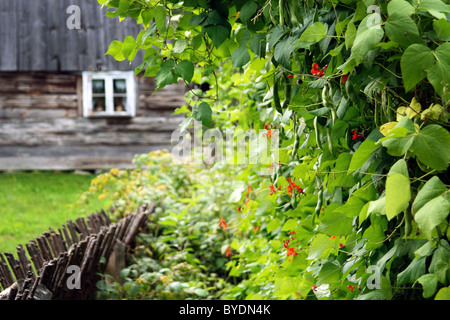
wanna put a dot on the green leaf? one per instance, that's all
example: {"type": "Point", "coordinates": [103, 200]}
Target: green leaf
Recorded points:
{"type": "Point", "coordinates": [340, 177]}
{"type": "Point", "coordinates": [160, 19]}
{"type": "Point", "coordinates": [314, 33]}
{"type": "Point", "coordinates": [433, 188]}
{"type": "Point", "coordinates": [201, 292]}
{"type": "Point", "coordinates": [320, 247]}
{"type": "Point", "coordinates": [436, 8]}
{"type": "Point", "coordinates": [218, 34]}
{"type": "Point", "coordinates": [290, 225]}
{"type": "Point", "coordinates": [165, 75]}
{"type": "Point", "coordinates": [413, 272]}
{"type": "Point", "coordinates": [431, 215]}
{"type": "Point", "coordinates": [400, 7]}
{"type": "Point", "coordinates": [362, 154]}
{"type": "Point", "coordinates": [129, 48]}
{"type": "Point", "coordinates": [186, 70]}
{"type": "Point", "coordinates": [442, 29]}
{"type": "Point", "coordinates": [180, 45]}
{"type": "Point", "coordinates": [398, 194]}
{"type": "Point", "coordinates": [240, 57]}
{"type": "Point", "coordinates": [115, 50]}
{"type": "Point", "coordinates": [367, 37]}
{"type": "Point", "coordinates": [443, 294]}
{"type": "Point", "coordinates": [429, 284]}
{"type": "Point", "coordinates": [204, 115]}
{"type": "Point", "coordinates": [350, 35]}
{"type": "Point", "coordinates": [329, 273]}
{"type": "Point", "coordinates": [336, 223]}
{"type": "Point", "coordinates": [399, 167]}
{"type": "Point", "coordinates": [282, 52]}
{"type": "Point", "coordinates": [439, 75]}
{"type": "Point", "coordinates": [415, 62]}
{"type": "Point", "coordinates": [432, 147]}
{"type": "Point", "coordinates": [258, 44]}
{"type": "Point", "coordinates": [247, 11]}
{"type": "Point", "coordinates": [402, 29]}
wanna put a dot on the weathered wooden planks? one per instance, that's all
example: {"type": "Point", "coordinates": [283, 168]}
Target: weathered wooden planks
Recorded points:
{"type": "Point", "coordinates": [56, 254]}
{"type": "Point", "coordinates": [35, 36]}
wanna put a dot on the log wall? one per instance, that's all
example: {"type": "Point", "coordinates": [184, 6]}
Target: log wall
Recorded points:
{"type": "Point", "coordinates": [41, 124]}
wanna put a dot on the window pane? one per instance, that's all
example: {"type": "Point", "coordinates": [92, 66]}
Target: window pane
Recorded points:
{"type": "Point", "coordinates": [120, 104]}
{"type": "Point", "coordinates": [98, 104]}
{"type": "Point", "coordinates": [98, 86]}
{"type": "Point", "coordinates": [120, 86]}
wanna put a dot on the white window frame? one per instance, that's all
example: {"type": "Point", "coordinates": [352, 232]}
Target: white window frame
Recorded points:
{"type": "Point", "coordinates": [109, 77]}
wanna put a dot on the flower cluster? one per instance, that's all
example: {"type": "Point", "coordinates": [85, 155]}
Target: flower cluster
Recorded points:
{"type": "Point", "coordinates": [223, 224]}
{"type": "Point", "coordinates": [269, 128]}
{"type": "Point", "coordinates": [292, 185]}
{"type": "Point", "coordinates": [318, 72]}
{"type": "Point", "coordinates": [228, 252]}
{"type": "Point", "coordinates": [290, 251]}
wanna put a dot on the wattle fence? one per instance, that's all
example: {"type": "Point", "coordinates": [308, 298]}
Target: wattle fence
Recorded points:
{"type": "Point", "coordinates": [66, 264]}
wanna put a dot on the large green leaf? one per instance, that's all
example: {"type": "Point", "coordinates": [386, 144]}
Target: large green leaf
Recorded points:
{"type": "Point", "coordinates": [217, 33]}
{"type": "Point", "coordinates": [314, 33]}
{"type": "Point", "coordinates": [115, 50]}
{"type": "Point", "coordinates": [413, 272]}
{"type": "Point", "coordinates": [165, 75]}
{"type": "Point", "coordinates": [336, 223]}
{"type": "Point", "coordinates": [439, 75]}
{"type": "Point", "coordinates": [329, 273]}
{"type": "Point", "coordinates": [320, 247]}
{"type": "Point", "coordinates": [433, 188]}
{"type": "Point", "coordinates": [362, 154]}
{"type": "Point", "coordinates": [367, 37]}
{"type": "Point", "coordinates": [442, 29]}
{"type": "Point", "coordinates": [186, 70]}
{"type": "Point", "coordinates": [429, 284]}
{"type": "Point", "coordinates": [282, 52]}
{"type": "Point", "coordinates": [398, 194]}
{"type": "Point", "coordinates": [402, 29]}
{"type": "Point", "coordinates": [400, 7]}
{"type": "Point", "coordinates": [443, 294]}
{"type": "Point", "coordinates": [415, 62]}
{"type": "Point", "coordinates": [432, 147]}
{"type": "Point", "coordinates": [247, 11]}
{"type": "Point", "coordinates": [240, 57]}
{"type": "Point", "coordinates": [204, 114]}
{"type": "Point", "coordinates": [436, 8]}
{"type": "Point", "coordinates": [160, 19]}
{"type": "Point", "coordinates": [431, 215]}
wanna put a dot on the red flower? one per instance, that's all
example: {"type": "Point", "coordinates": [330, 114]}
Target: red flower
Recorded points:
{"type": "Point", "coordinates": [332, 237]}
{"type": "Point", "coordinates": [223, 224]}
{"type": "Point", "coordinates": [351, 287]}
{"type": "Point", "coordinates": [255, 228]}
{"type": "Point", "coordinates": [291, 252]}
{"type": "Point", "coordinates": [314, 287]}
{"type": "Point", "coordinates": [316, 71]}
{"type": "Point", "coordinates": [356, 135]}
{"type": "Point", "coordinates": [228, 252]}
{"type": "Point", "coordinates": [341, 245]}
{"type": "Point", "coordinates": [237, 14]}
{"type": "Point", "coordinates": [249, 189]}
{"type": "Point", "coordinates": [272, 189]}
{"type": "Point", "coordinates": [344, 78]}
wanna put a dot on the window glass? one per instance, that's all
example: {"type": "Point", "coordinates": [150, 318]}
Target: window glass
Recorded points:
{"type": "Point", "coordinates": [120, 86]}
{"type": "Point", "coordinates": [98, 86]}
{"type": "Point", "coordinates": [120, 104]}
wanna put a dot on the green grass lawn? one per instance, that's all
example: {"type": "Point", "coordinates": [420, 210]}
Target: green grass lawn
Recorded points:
{"type": "Point", "coordinates": [30, 203]}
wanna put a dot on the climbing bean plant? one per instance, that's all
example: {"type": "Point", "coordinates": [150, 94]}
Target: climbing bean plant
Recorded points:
{"type": "Point", "coordinates": [358, 206]}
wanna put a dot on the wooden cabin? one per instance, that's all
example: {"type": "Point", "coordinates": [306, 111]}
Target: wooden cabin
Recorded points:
{"type": "Point", "coordinates": [64, 104]}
